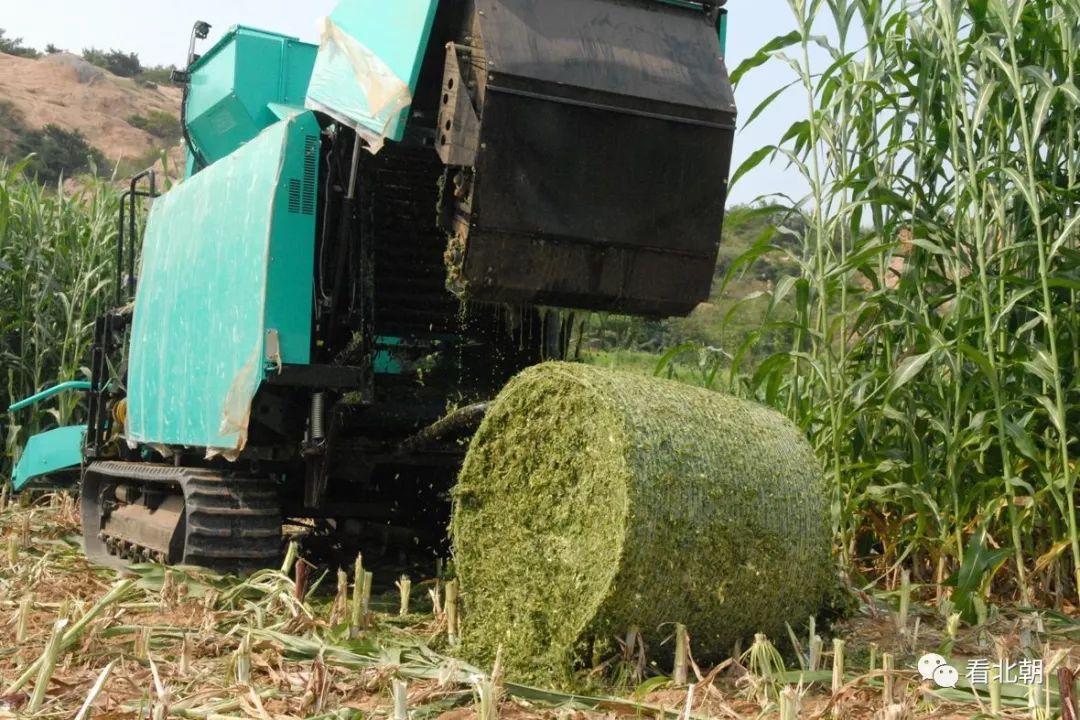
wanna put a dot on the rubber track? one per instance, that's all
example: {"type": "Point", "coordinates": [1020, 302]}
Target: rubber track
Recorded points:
{"type": "Point", "coordinates": [232, 524]}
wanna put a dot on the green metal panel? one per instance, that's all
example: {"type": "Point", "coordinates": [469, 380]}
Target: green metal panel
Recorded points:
{"type": "Point", "coordinates": [369, 63]}
{"type": "Point", "coordinates": [48, 453]}
{"type": "Point", "coordinates": [233, 84]}
{"type": "Point", "coordinates": [227, 272]}
{"type": "Point", "coordinates": [723, 26]}
{"type": "Point", "coordinates": [386, 361]}
{"type": "Point", "coordinates": [213, 75]}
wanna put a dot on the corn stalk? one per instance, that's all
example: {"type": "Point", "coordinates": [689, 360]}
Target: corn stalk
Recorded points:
{"type": "Point", "coordinates": [57, 268]}
{"type": "Point", "coordinates": [937, 333]}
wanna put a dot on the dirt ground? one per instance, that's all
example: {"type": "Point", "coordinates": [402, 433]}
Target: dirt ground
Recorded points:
{"type": "Point", "coordinates": [188, 644]}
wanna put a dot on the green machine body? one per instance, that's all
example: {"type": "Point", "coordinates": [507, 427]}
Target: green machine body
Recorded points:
{"type": "Point", "coordinates": [235, 86]}
{"type": "Point", "coordinates": [374, 235]}
{"type": "Point", "coordinates": [225, 290]}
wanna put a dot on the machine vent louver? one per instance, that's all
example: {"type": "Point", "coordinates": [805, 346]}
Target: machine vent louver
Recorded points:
{"type": "Point", "coordinates": [294, 195]}
{"type": "Point", "coordinates": [311, 160]}
{"type": "Point", "coordinates": [302, 192]}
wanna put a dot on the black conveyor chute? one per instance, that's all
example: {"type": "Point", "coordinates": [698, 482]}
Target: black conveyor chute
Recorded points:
{"type": "Point", "coordinates": [594, 143]}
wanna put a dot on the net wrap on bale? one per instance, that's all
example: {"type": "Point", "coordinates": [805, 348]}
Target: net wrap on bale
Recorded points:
{"type": "Point", "coordinates": [592, 501]}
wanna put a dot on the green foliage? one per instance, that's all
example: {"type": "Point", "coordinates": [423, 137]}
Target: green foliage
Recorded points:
{"type": "Point", "coordinates": [160, 124]}
{"type": "Point", "coordinates": [935, 330]}
{"type": "Point", "coordinates": [117, 62]}
{"type": "Point", "coordinates": [56, 152]}
{"type": "Point", "coordinates": [14, 46]}
{"type": "Point", "coordinates": [59, 153]}
{"type": "Point", "coordinates": [56, 260]}
{"type": "Point", "coordinates": [9, 114]}
{"type": "Point", "coordinates": [12, 126]}
{"type": "Point", "coordinates": [129, 166]}
{"type": "Point", "coordinates": [157, 75]}
{"type": "Point", "coordinates": [51, 49]}
{"type": "Point", "coordinates": [128, 65]}
{"type": "Point", "coordinates": [980, 563]}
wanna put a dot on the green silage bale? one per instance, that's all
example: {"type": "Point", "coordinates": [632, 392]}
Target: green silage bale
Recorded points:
{"type": "Point", "coordinates": [592, 501]}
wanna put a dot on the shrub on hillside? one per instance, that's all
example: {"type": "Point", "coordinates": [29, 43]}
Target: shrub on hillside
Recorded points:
{"type": "Point", "coordinates": [117, 62]}
{"type": "Point", "coordinates": [157, 75]}
{"type": "Point", "coordinates": [14, 46]}
{"type": "Point", "coordinates": [12, 126]}
{"type": "Point", "coordinates": [158, 123]}
{"type": "Point", "coordinates": [59, 153]}
{"type": "Point", "coordinates": [10, 117]}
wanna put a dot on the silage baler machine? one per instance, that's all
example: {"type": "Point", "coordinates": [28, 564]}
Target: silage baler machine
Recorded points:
{"type": "Point", "coordinates": [373, 235]}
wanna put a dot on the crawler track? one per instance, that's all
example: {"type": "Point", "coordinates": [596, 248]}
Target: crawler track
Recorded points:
{"type": "Point", "coordinates": [134, 512]}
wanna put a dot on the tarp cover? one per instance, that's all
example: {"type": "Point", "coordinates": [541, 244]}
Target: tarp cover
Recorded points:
{"type": "Point", "coordinates": [369, 63]}
{"type": "Point", "coordinates": [226, 260]}
{"type": "Point", "coordinates": [664, 55]}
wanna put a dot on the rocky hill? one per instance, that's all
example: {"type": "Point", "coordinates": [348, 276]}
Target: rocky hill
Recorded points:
{"type": "Point", "coordinates": [128, 121]}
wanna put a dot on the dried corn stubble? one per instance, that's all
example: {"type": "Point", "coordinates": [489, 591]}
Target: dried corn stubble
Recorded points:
{"type": "Point", "coordinates": [592, 501]}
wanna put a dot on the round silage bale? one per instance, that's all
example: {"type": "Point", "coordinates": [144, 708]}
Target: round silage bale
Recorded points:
{"type": "Point", "coordinates": [593, 501]}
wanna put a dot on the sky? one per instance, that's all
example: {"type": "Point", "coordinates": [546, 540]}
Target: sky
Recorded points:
{"type": "Point", "coordinates": [159, 31]}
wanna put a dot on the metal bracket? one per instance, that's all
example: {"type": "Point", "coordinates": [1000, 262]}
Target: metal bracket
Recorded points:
{"type": "Point", "coordinates": [458, 136]}
{"type": "Point", "coordinates": [334, 377]}
{"type": "Point", "coordinates": [273, 349]}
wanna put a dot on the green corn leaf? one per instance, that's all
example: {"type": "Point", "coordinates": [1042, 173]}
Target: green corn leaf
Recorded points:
{"type": "Point", "coordinates": [762, 56]}
{"type": "Point", "coordinates": [1052, 412]}
{"type": "Point", "coordinates": [765, 104]}
{"type": "Point", "coordinates": [1022, 440]}
{"type": "Point", "coordinates": [1066, 283]}
{"type": "Point", "coordinates": [1067, 234]}
{"type": "Point", "coordinates": [986, 93]}
{"type": "Point", "coordinates": [1042, 109]}
{"type": "Point", "coordinates": [668, 357]}
{"type": "Point", "coordinates": [910, 368]}
{"type": "Point", "coordinates": [1042, 365]}
{"type": "Point", "coordinates": [752, 162]}
{"type": "Point", "coordinates": [979, 561]}
{"type": "Point", "coordinates": [1069, 89]}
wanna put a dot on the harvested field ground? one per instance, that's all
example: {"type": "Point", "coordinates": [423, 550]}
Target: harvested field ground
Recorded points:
{"type": "Point", "coordinates": [188, 644]}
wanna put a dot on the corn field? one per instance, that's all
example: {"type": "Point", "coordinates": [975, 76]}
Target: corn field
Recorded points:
{"type": "Point", "coordinates": [57, 260]}
{"type": "Point", "coordinates": [937, 333]}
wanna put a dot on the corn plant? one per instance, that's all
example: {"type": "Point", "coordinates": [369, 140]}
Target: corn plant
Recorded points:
{"type": "Point", "coordinates": [937, 333]}
{"type": "Point", "coordinates": [57, 264]}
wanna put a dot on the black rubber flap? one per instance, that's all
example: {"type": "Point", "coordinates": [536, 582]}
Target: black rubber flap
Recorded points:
{"type": "Point", "coordinates": [638, 49]}
{"type": "Point", "coordinates": [602, 170]}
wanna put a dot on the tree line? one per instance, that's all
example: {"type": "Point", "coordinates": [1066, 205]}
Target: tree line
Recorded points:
{"type": "Point", "coordinates": [118, 62]}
